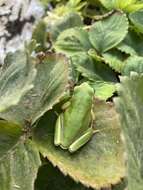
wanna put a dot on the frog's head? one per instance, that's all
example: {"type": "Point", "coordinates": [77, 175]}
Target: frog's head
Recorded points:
{"type": "Point", "coordinates": [84, 88]}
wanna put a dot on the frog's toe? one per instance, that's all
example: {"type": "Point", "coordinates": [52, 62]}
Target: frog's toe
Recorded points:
{"type": "Point", "coordinates": [63, 147]}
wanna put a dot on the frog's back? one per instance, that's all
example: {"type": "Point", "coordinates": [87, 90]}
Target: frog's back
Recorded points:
{"type": "Point", "coordinates": [77, 117]}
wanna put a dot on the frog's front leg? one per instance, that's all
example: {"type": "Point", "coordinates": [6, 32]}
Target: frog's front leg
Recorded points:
{"type": "Point", "coordinates": [81, 140]}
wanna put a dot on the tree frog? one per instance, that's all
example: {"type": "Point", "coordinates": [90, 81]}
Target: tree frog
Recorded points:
{"type": "Point", "coordinates": [74, 126]}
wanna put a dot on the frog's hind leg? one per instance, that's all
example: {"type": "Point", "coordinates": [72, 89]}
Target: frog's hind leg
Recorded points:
{"type": "Point", "coordinates": [81, 140]}
{"type": "Point", "coordinates": [58, 130]}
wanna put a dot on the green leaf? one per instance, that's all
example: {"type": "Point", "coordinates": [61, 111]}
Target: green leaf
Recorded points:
{"type": "Point", "coordinates": [76, 4]}
{"type": "Point", "coordinates": [92, 69]}
{"type": "Point", "coordinates": [109, 32]}
{"type": "Point", "coordinates": [51, 178]}
{"type": "Point", "coordinates": [10, 134]}
{"type": "Point", "coordinates": [130, 106]}
{"type": "Point", "coordinates": [16, 78]}
{"type": "Point", "coordinates": [40, 35]}
{"type": "Point", "coordinates": [19, 160]}
{"type": "Point", "coordinates": [73, 41]}
{"type": "Point", "coordinates": [132, 44]}
{"type": "Point", "coordinates": [68, 21]}
{"type": "Point", "coordinates": [19, 167]}
{"type": "Point", "coordinates": [117, 4]}
{"type": "Point", "coordinates": [134, 7]}
{"type": "Point", "coordinates": [49, 86]}
{"type": "Point", "coordinates": [103, 90]}
{"type": "Point", "coordinates": [100, 162]}
{"type": "Point", "coordinates": [115, 59]}
{"type": "Point", "coordinates": [137, 20]}
{"type": "Point", "coordinates": [134, 63]}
